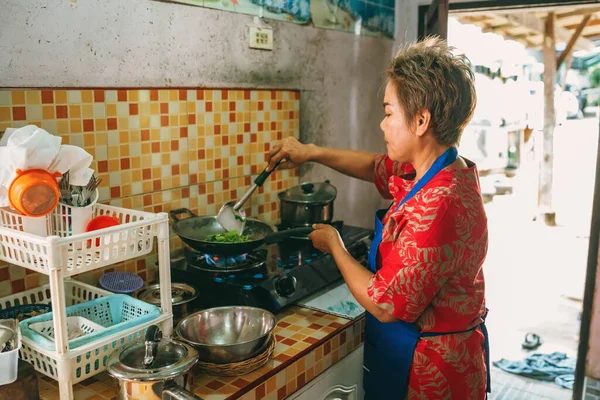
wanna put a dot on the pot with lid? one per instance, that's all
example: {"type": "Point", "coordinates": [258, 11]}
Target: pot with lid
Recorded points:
{"type": "Point", "coordinates": [153, 369]}
{"type": "Point", "coordinates": [307, 204]}
{"type": "Point", "coordinates": [182, 296]}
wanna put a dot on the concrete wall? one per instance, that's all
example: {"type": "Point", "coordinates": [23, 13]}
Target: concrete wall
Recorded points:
{"type": "Point", "coordinates": [145, 43]}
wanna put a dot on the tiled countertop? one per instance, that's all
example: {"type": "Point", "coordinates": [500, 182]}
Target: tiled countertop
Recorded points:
{"type": "Point", "coordinates": [308, 342]}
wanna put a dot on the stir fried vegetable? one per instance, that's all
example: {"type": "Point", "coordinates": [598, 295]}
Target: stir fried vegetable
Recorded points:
{"type": "Point", "coordinates": [228, 237]}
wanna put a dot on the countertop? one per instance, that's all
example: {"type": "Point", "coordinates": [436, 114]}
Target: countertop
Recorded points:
{"type": "Point", "coordinates": [308, 342]}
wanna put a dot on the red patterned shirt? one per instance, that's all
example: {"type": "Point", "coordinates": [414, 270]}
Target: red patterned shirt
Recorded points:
{"type": "Point", "coordinates": [431, 258]}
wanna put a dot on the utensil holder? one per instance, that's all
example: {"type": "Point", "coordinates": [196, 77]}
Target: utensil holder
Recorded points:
{"type": "Point", "coordinates": [72, 220]}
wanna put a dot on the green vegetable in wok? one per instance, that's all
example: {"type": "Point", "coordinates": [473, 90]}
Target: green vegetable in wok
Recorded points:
{"type": "Point", "coordinates": [228, 237]}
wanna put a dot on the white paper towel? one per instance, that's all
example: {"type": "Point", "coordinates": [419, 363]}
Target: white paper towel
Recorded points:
{"type": "Point", "coordinates": [31, 147]}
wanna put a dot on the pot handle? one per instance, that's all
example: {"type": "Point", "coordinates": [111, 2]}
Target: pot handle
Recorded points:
{"type": "Point", "coordinates": [178, 393]}
{"type": "Point", "coordinates": [175, 213]}
{"type": "Point", "coordinates": [265, 174]}
{"type": "Point", "coordinates": [279, 236]}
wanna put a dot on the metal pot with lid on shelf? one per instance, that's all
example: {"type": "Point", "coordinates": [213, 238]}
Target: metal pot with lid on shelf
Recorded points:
{"type": "Point", "coordinates": [182, 295]}
{"type": "Point", "coordinates": [154, 369]}
{"type": "Point", "coordinates": [307, 204]}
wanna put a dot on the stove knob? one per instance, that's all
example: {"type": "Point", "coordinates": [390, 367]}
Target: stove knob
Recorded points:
{"type": "Point", "coordinates": [285, 286]}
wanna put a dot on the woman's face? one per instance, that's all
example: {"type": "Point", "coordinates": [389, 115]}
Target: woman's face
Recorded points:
{"type": "Point", "coordinates": [399, 137]}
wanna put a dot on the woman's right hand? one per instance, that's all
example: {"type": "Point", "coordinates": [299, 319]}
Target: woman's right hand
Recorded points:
{"type": "Point", "coordinates": [290, 149]}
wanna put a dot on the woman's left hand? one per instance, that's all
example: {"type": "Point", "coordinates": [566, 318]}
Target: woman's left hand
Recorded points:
{"type": "Point", "coordinates": [326, 238]}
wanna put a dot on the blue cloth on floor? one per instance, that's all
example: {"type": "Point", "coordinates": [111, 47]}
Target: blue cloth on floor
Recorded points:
{"type": "Point", "coordinates": [544, 367]}
{"type": "Point", "coordinates": [565, 381]}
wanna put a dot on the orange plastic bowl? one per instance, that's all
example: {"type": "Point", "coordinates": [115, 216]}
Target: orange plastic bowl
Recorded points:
{"type": "Point", "coordinates": [34, 192]}
{"type": "Point", "coordinates": [101, 222]}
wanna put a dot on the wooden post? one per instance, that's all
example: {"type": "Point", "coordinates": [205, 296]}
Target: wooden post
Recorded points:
{"type": "Point", "coordinates": [545, 185]}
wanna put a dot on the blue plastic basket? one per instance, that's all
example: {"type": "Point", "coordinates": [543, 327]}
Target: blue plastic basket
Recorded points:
{"type": "Point", "coordinates": [115, 312]}
{"type": "Point", "coordinates": [15, 311]}
{"type": "Point", "coordinates": [121, 282]}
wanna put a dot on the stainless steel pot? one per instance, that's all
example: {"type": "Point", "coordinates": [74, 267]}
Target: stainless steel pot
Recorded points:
{"type": "Point", "coordinates": [154, 369]}
{"type": "Point", "coordinates": [229, 334]}
{"type": "Point", "coordinates": [307, 204]}
{"type": "Point", "coordinates": [182, 295]}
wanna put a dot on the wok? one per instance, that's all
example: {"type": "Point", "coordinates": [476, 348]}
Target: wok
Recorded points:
{"type": "Point", "coordinates": [194, 230]}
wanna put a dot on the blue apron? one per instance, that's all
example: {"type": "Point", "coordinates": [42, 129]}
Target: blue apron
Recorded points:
{"type": "Point", "coordinates": [389, 346]}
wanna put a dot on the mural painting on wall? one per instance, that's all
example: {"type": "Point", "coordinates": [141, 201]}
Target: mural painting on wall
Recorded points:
{"type": "Point", "coordinates": [361, 17]}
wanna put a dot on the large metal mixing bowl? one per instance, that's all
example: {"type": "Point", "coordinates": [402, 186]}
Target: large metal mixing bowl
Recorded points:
{"type": "Point", "coordinates": [230, 334]}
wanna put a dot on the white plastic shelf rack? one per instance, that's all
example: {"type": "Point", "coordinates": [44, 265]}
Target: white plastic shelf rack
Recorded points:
{"type": "Point", "coordinates": [62, 255]}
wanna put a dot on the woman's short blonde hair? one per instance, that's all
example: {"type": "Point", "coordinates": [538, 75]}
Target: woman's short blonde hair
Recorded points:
{"type": "Point", "coordinates": [427, 76]}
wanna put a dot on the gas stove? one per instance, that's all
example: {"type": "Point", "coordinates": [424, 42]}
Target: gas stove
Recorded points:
{"type": "Point", "coordinates": [271, 277]}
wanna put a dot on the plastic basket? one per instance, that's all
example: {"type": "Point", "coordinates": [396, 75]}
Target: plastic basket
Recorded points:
{"type": "Point", "coordinates": [115, 313]}
{"type": "Point", "coordinates": [18, 312]}
{"type": "Point", "coordinates": [76, 327]}
{"type": "Point", "coordinates": [39, 226]}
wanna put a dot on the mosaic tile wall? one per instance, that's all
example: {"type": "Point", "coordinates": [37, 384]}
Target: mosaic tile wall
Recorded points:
{"type": "Point", "coordinates": [161, 149]}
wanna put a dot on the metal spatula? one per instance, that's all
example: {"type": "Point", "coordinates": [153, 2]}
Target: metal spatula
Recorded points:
{"type": "Point", "coordinates": [231, 216]}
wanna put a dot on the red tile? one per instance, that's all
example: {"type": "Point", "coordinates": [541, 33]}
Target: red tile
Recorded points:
{"type": "Point", "coordinates": [218, 163]}
{"type": "Point", "coordinates": [140, 265]}
{"type": "Point", "coordinates": [297, 95]}
{"type": "Point", "coordinates": [225, 140]}
{"type": "Point", "coordinates": [261, 126]}
{"type": "Point", "coordinates": [19, 114]}
{"type": "Point", "coordinates": [133, 109]}
{"type": "Point", "coordinates": [208, 106]}
{"type": "Point", "coordinates": [273, 125]}
{"type": "Point", "coordinates": [231, 117]}
{"type": "Point", "coordinates": [115, 192]}
{"type": "Point", "coordinates": [202, 189]}
{"type": "Point", "coordinates": [210, 199]}
{"type": "Point", "coordinates": [193, 179]}
{"type": "Point", "coordinates": [145, 134]}
{"type": "Point", "coordinates": [224, 95]}
{"type": "Point", "coordinates": [155, 147]}
{"type": "Point", "coordinates": [62, 112]}
{"type": "Point", "coordinates": [283, 324]}
{"type": "Point", "coordinates": [280, 105]}
{"type": "Point", "coordinates": [240, 383]}
{"type": "Point", "coordinates": [201, 154]}
{"type": "Point", "coordinates": [164, 120]}
{"type": "Point", "coordinates": [335, 325]}
{"type": "Point", "coordinates": [225, 185]}
{"type": "Point", "coordinates": [217, 129]}
{"type": "Point", "coordinates": [99, 96]}
{"type": "Point", "coordinates": [282, 357]}
{"type": "Point", "coordinates": [232, 106]}
{"type": "Point", "coordinates": [310, 340]}
{"type": "Point", "coordinates": [343, 337]}
{"type": "Point", "coordinates": [147, 199]}
{"type": "Point", "coordinates": [246, 127]}
{"type": "Point", "coordinates": [246, 95]}
{"type": "Point", "coordinates": [240, 160]}
{"type": "Point", "coordinates": [164, 108]}
{"type": "Point", "coordinates": [261, 105]}
{"type": "Point", "coordinates": [154, 95]}
{"type": "Point", "coordinates": [253, 138]}
{"type": "Point", "coordinates": [273, 95]}
{"type": "Point", "coordinates": [174, 145]}
{"type": "Point", "coordinates": [191, 119]}
{"type": "Point", "coordinates": [185, 192]}
{"type": "Point", "coordinates": [273, 206]}
{"type": "Point", "coordinates": [111, 123]}
{"type": "Point", "coordinates": [254, 170]}
{"type": "Point", "coordinates": [282, 393]}
{"type": "Point", "coordinates": [247, 180]}
{"type": "Point", "coordinates": [156, 185]}
{"type": "Point", "coordinates": [215, 385]}
{"type": "Point", "coordinates": [327, 348]}
{"type": "Point", "coordinates": [125, 163]}
{"type": "Point", "coordinates": [279, 185]}
{"type": "Point", "coordinates": [225, 176]}
{"type": "Point", "coordinates": [88, 125]}
{"type": "Point", "coordinates": [157, 209]}
{"type": "Point", "coordinates": [122, 95]}
{"type": "Point", "coordinates": [291, 115]}
{"type": "Point", "coordinates": [279, 135]}
{"type": "Point", "coordinates": [174, 169]}
{"type": "Point", "coordinates": [102, 166]}
{"type": "Point", "coordinates": [261, 209]}
{"type": "Point", "coordinates": [232, 194]}
{"type": "Point", "coordinates": [318, 314]}
{"type": "Point", "coordinates": [301, 380]}
{"type": "Point", "coordinates": [183, 132]}
{"type": "Point", "coordinates": [200, 94]}
{"type": "Point", "coordinates": [289, 342]}
{"type": "Point", "coordinates": [182, 94]}
{"type": "Point", "coordinates": [260, 391]}
{"type": "Point", "coordinates": [240, 139]}
{"type": "Point", "coordinates": [4, 275]}
{"type": "Point", "coordinates": [47, 97]}
{"type": "Point", "coordinates": [146, 174]}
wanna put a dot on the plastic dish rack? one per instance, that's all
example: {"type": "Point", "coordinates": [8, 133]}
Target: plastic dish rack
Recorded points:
{"type": "Point", "coordinates": [110, 314]}
{"type": "Point", "coordinates": [87, 360]}
{"type": "Point", "coordinates": [76, 252]}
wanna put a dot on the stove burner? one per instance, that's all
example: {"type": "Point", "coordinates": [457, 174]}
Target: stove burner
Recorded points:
{"type": "Point", "coordinates": [220, 263]}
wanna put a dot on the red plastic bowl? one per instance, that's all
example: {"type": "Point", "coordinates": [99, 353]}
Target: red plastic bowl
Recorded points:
{"type": "Point", "coordinates": [101, 222]}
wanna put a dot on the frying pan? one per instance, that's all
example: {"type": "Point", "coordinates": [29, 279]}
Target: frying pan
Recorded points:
{"type": "Point", "coordinates": [194, 230]}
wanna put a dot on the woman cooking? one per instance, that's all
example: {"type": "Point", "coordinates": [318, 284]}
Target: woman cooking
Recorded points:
{"type": "Point", "coordinates": [424, 289]}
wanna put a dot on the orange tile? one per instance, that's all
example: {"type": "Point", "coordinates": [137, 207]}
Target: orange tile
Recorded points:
{"type": "Point", "coordinates": [4, 113]}
{"type": "Point", "coordinates": [60, 97]}
{"type": "Point", "coordinates": [87, 96]}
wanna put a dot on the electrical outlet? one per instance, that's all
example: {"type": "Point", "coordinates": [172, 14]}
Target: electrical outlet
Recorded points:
{"type": "Point", "coordinates": [261, 38]}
